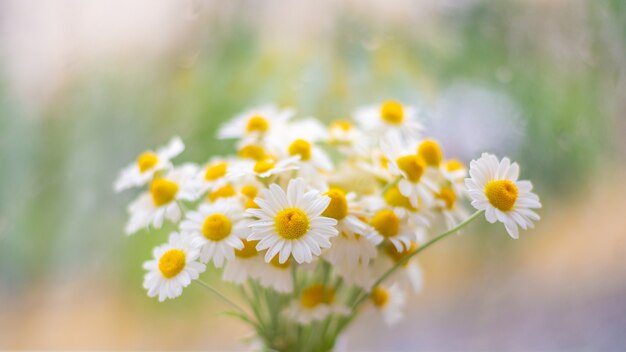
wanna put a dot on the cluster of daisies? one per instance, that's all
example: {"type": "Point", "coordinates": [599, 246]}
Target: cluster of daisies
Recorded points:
{"type": "Point", "coordinates": [313, 212]}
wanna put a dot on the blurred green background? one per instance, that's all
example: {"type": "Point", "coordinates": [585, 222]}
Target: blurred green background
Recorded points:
{"type": "Point", "coordinates": [86, 86]}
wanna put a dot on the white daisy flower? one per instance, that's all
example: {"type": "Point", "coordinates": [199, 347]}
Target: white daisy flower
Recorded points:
{"type": "Point", "coordinates": [390, 116]}
{"type": "Point", "coordinates": [454, 172]}
{"type": "Point", "coordinates": [410, 273]}
{"type": "Point", "coordinates": [397, 228]}
{"type": "Point", "coordinates": [312, 159]}
{"type": "Point", "coordinates": [316, 302]}
{"type": "Point", "coordinates": [348, 139]}
{"type": "Point", "coordinates": [173, 267]}
{"type": "Point", "coordinates": [414, 183]}
{"type": "Point", "coordinates": [245, 264]}
{"type": "Point", "coordinates": [276, 275]}
{"type": "Point", "coordinates": [162, 199]}
{"type": "Point", "coordinates": [494, 188]}
{"type": "Point", "coordinates": [148, 163]}
{"type": "Point", "coordinates": [219, 226]}
{"type": "Point", "coordinates": [446, 201]}
{"type": "Point", "coordinates": [266, 167]}
{"type": "Point", "coordinates": [291, 223]}
{"type": "Point", "coordinates": [216, 173]}
{"type": "Point", "coordinates": [254, 123]}
{"type": "Point", "coordinates": [390, 302]}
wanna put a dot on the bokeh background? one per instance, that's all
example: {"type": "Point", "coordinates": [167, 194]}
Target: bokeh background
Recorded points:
{"type": "Point", "coordinates": [87, 85]}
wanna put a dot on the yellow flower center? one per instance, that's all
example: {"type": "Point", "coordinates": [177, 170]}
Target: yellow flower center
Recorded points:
{"type": "Point", "coordinates": [454, 165]}
{"type": "Point", "coordinates": [386, 223]}
{"type": "Point", "coordinates": [394, 198]}
{"type": "Point", "coordinates": [215, 171]}
{"type": "Point", "coordinates": [291, 223]}
{"type": "Point", "coordinates": [248, 250]}
{"type": "Point", "coordinates": [431, 152]}
{"type": "Point", "coordinates": [146, 160]}
{"type": "Point", "coordinates": [250, 203]}
{"type": "Point", "coordinates": [302, 148]}
{"type": "Point", "coordinates": [502, 194]}
{"type": "Point", "coordinates": [257, 124]}
{"type": "Point", "coordinates": [253, 152]}
{"type": "Point", "coordinates": [392, 112]}
{"type": "Point", "coordinates": [315, 295]}
{"type": "Point", "coordinates": [338, 206]}
{"type": "Point", "coordinates": [264, 165]}
{"type": "Point", "coordinates": [249, 191]}
{"type": "Point", "coordinates": [413, 166]}
{"type": "Point", "coordinates": [397, 256]}
{"type": "Point", "coordinates": [448, 196]}
{"type": "Point", "coordinates": [222, 192]}
{"type": "Point", "coordinates": [275, 262]}
{"type": "Point", "coordinates": [172, 263]}
{"type": "Point", "coordinates": [216, 227]}
{"type": "Point", "coordinates": [163, 191]}
{"type": "Point", "coordinates": [342, 125]}
{"type": "Point", "coordinates": [379, 296]}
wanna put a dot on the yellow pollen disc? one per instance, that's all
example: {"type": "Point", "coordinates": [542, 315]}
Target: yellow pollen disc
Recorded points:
{"type": "Point", "coordinates": [276, 262]}
{"type": "Point", "coordinates": [248, 250]}
{"type": "Point", "coordinates": [502, 194]}
{"type": "Point", "coordinates": [163, 191]}
{"type": "Point", "coordinates": [249, 191]}
{"type": "Point", "coordinates": [262, 166]}
{"type": "Point", "coordinates": [413, 166]}
{"type": "Point", "coordinates": [146, 161]}
{"type": "Point", "coordinates": [257, 124]}
{"type": "Point", "coordinates": [302, 148]}
{"type": "Point", "coordinates": [172, 263]}
{"type": "Point", "coordinates": [338, 206]}
{"type": "Point", "coordinates": [454, 165]}
{"type": "Point", "coordinates": [253, 152]}
{"type": "Point", "coordinates": [291, 223]}
{"type": "Point", "coordinates": [392, 251]}
{"type": "Point", "coordinates": [223, 192]}
{"type": "Point", "coordinates": [431, 152]}
{"type": "Point", "coordinates": [215, 171]}
{"type": "Point", "coordinates": [342, 125]}
{"type": "Point", "coordinates": [216, 227]}
{"type": "Point", "coordinates": [317, 294]}
{"type": "Point", "coordinates": [394, 198]}
{"type": "Point", "coordinates": [448, 196]}
{"type": "Point", "coordinates": [384, 162]}
{"type": "Point", "coordinates": [392, 112]}
{"type": "Point", "coordinates": [386, 223]}
{"type": "Point", "coordinates": [379, 296]}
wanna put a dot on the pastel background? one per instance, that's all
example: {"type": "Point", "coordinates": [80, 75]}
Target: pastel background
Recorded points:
{"type": "Point", "coordinates": [87, 85]}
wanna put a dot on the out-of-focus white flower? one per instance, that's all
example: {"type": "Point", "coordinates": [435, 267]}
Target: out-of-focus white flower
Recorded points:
{"type": "Point", "coordinates": [173, 267]}
{"type": "Point", "coordinates": [291, 223]}
{"type": "Point", "coordinates": [219, 226]}
{"type": "Point", "coordinates": [316, 302]}
{"type": "Point", "coordinates": [148, 163]}
{"type": "Point", "coordinates": [245, 265]}
{"type": "Point", "coordinates": [392, 116]}
{"type": "Point", "coordinates": [276, 275]}
{"type": "Point", "coordinates": [255, 123]}
{"type": "Point", "coordinates": [390, 302]}
{"type": "Point", "coordinates": [494, 188]}
{"type": "Point", "coordinates": [162, 200]}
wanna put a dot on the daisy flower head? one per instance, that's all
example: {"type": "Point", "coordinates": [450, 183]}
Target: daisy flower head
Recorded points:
{"type": "Point", "coordinates": [255, 123]}
{"type": "Point", "coordinates": [217, 173]}
{"type": "Point", "coordinates": [244, 265]}
{"type": "Point", "coordinates": [390, 302]}
{"type": "Point", "coordinates": [397, 229]}
{"type": "Point", "coordinates": [494, 187]}
{"type": "Point", "coordinates": [316, 302]}
{"type": "Point", "coordinates": [291, 223]}
{"type": "Point", "coordinates": [390, 115]}
{"type": "Point", "coordinates": [147, 164]}
{"type": "Point", "coordinates": [410, 168]}
{"type": "Point", "coordinates": [447, 203]}
{"type": "Point", "coordinates": [162, 201]}
{"type": "Point", "coordinates": [276, 275]}
{"type": "Point", "coordinates": [173, 267]}
{"type": "Point", "coordinates": [454, 172]}
{"type": "Point", "coordinates": [219, 226]}
{"type": "Point", "coordinates": [349, 139]}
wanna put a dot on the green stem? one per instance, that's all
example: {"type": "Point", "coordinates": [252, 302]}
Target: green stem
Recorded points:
{"type": "Point", "coordinates": [220, 295]}
{"type": "Point", "coordinates": [405, 259]}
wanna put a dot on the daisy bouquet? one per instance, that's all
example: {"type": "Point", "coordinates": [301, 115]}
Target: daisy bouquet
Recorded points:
{"type": "Point", "coordinates": [314, 224]}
